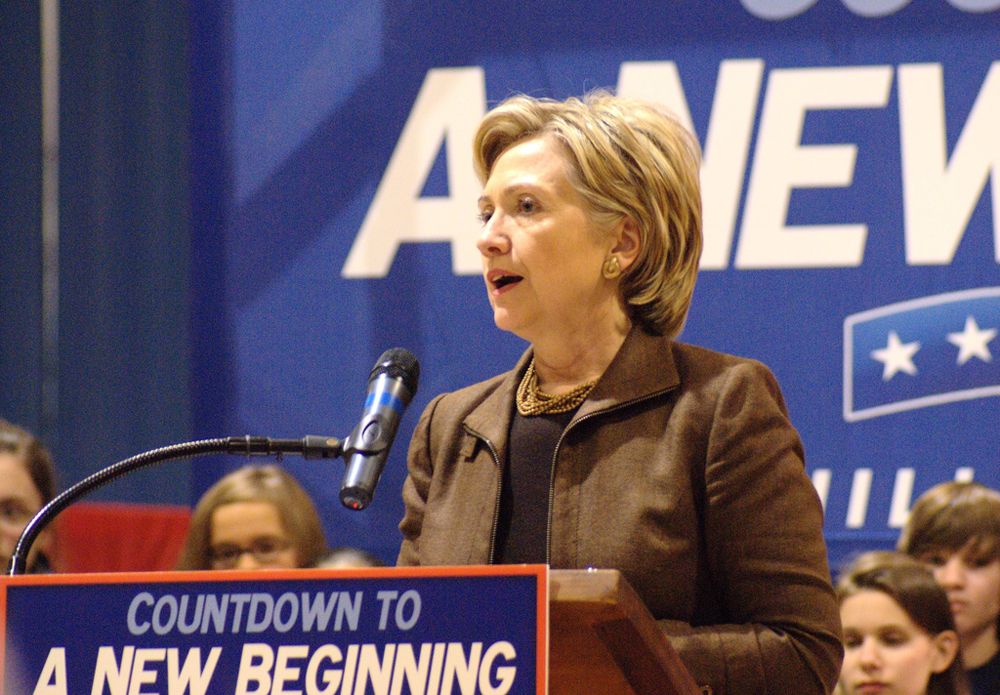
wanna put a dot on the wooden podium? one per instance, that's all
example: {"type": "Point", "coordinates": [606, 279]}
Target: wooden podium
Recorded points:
{"type": "Point", "coordinates": [603, 639]}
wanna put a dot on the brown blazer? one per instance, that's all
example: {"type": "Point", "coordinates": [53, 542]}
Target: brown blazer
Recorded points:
{"type": "Point", "coordinates": [682, 470]}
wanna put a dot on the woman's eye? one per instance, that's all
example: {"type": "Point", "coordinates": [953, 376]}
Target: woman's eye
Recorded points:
{"type": "Point", "coordinates": [485, 215]}
{"type": "Point", "coordinates": [527, 205]}
{"type": "Point", "coordinates": [894, 638]}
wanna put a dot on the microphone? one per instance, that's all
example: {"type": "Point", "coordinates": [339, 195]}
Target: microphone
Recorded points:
{"type": "Point", "coordinates": [391, 386]}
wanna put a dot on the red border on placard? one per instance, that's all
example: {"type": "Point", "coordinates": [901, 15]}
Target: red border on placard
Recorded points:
{"type": "Point", "coordinates": [540, 572]}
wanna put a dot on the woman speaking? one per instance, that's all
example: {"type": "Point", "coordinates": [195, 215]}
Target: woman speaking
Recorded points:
{"type": "Point", "coordinates": [609, 444]}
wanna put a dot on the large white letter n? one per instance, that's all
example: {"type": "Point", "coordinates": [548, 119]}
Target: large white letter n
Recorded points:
{"type": "Point", "coordinates": [449, 106]}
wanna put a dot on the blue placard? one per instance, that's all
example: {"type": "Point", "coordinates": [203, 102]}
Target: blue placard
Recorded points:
{"type": "Point", "coordinates": [317, 632]}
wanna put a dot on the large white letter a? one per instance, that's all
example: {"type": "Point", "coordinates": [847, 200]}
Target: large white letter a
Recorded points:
{"type": "Point", "coordinates": [52, 680]}
{"type": "Point", "coordinates": [448, 108]}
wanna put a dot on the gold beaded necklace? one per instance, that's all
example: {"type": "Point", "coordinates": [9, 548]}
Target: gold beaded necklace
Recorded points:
{"type": "Point", "coordinates": [532, 401]}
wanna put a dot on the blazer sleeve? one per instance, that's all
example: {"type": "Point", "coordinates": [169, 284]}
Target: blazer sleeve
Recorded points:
{"type": "Point", "coordinates": [416, 487]}
{"type": "Point", "coordinates": [766, 556]}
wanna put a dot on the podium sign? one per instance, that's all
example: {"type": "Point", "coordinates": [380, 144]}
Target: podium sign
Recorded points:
{"type": "Point", "coordinates": [384, 631]}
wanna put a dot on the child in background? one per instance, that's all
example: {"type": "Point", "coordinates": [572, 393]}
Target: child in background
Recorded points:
{"type": "Point", "coordinates": [899, 635]}
{"type": "Point", "coordinates": [27, 483]}
{"type": "Point", "coordinates": [257, 517]}
{"type": "Point", "coordinates": [955, 529]}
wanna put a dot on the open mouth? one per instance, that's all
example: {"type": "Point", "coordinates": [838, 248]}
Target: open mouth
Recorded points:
{"type": "Point", "coordinates": [500, 279]}
{"type": "Point", "coordinates": [505, 280]}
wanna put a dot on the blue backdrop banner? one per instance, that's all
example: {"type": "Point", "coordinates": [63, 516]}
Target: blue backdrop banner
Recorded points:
{"type": "Point", "coordinates": [851, 187]}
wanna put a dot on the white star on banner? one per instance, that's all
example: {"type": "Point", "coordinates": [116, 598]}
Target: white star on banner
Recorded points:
{"type": "Point", "coordinates": [972, 341]}
{"type": "Point", "coordinates": [897, 357]}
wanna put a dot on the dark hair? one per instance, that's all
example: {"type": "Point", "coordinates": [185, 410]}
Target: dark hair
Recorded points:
{"type": "Point", "coordinates": [27, 449]}
{"type": "Point", "coordinates": [24, 445]}
{"type": "Point", "coordinates": [256, 484]}
{"type": "Point", "coordinates": [912, 586]}
{"type": "Point", "coordinates": [952, 516]}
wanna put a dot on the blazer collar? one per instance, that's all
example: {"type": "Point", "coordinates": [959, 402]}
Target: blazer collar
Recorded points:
{"type": "Point", "coordinates": [643, 366]}
{"type": "Point", "coordinates": [491, 418]}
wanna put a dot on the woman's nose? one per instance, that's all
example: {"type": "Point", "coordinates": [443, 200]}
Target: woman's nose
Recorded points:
{"type": "Point", "coordinates": [493, 241]}
{"type": "Point", "coordinates": [869, 655]}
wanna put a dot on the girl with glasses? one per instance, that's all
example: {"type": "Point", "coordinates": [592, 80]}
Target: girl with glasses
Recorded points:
{"type": "Point", "coordinates": [257, 517]}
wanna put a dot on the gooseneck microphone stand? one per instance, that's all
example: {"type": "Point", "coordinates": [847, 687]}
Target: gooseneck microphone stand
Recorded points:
{"type": "Point", "coordinates": [310, 447]}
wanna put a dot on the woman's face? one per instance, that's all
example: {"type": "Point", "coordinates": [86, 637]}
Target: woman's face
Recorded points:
{"type": "Point", "coordinates": [542, 256]}
{"type": "Point", "coordinates": [19, 501]}
{"type": "Point", "coordinates": [885, 652]}
{"type": "Point", "coordinates": [249, 535]}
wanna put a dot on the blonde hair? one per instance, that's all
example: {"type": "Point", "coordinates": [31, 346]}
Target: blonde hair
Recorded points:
{"type": "Point", "coordinates": [256, 484]}
{"type": "Point", "coordinates": [628, 158]}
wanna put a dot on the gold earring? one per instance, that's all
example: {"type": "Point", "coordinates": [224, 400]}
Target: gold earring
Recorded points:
{"type": "Point", "coordinates": [612, 268]}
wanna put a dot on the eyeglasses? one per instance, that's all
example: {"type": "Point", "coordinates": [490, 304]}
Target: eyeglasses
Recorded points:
{"type": "Point", "coordinates": [265, 550]}
{"type": "Point", "coordinates": [14, 513]}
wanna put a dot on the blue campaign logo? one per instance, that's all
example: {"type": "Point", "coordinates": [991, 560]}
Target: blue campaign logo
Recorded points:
{"type": "Point", "coordinates": [920, 353]}
{"type": "Point", "coordinates": [776, 10]}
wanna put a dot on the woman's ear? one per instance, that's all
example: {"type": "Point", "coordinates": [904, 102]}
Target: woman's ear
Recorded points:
{"type": "Point", "coordinates": [628, 242]}
{"type": "Point", "coordinates": [945, 649]}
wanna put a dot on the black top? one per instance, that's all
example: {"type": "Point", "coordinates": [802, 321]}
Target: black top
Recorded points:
{"type": "Point", "coordinates": [522, 528]}
{"type": "Point", "coordinates": [985, 680]}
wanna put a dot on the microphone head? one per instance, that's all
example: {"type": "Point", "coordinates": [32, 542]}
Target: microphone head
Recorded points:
{"type": "Point", "coordinates": [355, 497]}
{"type": "Point", "coordinates": [391, 386]}
{"type": "Point", "coordinates": [398, 363]}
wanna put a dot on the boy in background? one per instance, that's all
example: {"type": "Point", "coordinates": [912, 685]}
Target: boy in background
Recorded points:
{"type": "Point", "coordinates": [955, 529]}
